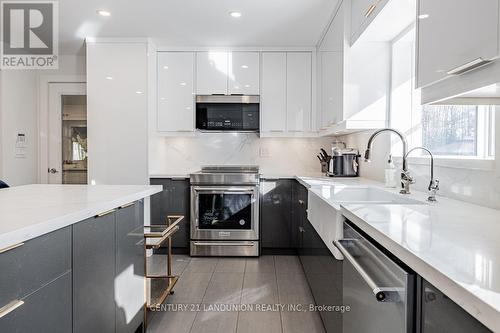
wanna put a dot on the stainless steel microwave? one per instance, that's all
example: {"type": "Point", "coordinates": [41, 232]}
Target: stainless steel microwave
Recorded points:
{"type": "Point", "coordinates": [234, 113]}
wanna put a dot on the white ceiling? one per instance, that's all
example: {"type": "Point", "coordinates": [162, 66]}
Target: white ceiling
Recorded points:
{"type": "Point", "coordinates": [196, 22]}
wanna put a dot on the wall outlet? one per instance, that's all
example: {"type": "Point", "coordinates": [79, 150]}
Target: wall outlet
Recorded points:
{"type": "Point", "coordinates": [264, 152]}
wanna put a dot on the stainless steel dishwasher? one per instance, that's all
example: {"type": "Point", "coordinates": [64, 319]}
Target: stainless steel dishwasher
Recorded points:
{"type": "Point", "coordinates": [379, 291]}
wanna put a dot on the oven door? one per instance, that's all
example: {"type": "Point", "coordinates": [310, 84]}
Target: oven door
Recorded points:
{"type": "Point", "coordinates": [225, 212]}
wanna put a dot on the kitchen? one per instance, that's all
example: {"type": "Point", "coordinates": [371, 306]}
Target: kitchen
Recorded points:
{"type": "Point", "coordinates": [241, 166]}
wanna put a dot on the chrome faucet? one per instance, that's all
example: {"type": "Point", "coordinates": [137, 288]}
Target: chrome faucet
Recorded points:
{"type": "Point", "coordinates": [406, 179]}
{"type": "Point", "coordinates": [434, 183]}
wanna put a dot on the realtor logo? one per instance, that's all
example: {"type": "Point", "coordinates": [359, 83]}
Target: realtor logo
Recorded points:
{"type": "Point", "coordinates": [29, 35]}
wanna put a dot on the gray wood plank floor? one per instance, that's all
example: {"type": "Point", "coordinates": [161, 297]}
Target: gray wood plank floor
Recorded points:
{"type": "Point", "coordinates": [248, 282]}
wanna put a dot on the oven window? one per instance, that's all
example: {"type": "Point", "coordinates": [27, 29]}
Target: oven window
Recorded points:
{"type": "Point", "coordinates": [225, 211]}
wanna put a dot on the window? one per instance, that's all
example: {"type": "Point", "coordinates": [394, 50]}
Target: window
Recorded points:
{"type": "Point", "coordinates": [454, 131]}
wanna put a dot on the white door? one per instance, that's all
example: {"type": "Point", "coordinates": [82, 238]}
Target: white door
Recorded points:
{"type": "Point", "coordinates": [67, 163]}
{"type": "Point", "coordinates": [176, 91]}
{"type": "Point", "coordinates": [211, 73]}
{"type": "Point", "coordinates": [298, 91]}
{"type": "Point", "coordinates": [454, 33]}
{"type": "Point", "coordinates": [273, 92]}
{"type": "Point", "coordinates": [243, 75]}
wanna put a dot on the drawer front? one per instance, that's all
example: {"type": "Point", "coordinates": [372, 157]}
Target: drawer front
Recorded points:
{"type": "Point", "coordinates": [35, 263]}
{"type": "Point", "coordinates": [46, 310]}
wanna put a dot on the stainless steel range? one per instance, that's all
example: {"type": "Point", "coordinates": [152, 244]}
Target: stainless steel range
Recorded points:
{"type": "Point", "coordinates": [225, 211]}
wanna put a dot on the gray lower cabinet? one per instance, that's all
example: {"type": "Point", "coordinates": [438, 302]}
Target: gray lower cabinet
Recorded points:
{"type": "Point", "coordinates": [108, 271]}
{"type": "Point", "coordinates": [129, 274]}
{"type": "Point", "coordinates": [37, 276]}
{"type": "Point", "coordinates": [276, 213]}
{"type": "Point", "coordinates": [324, 276]}
{"type": "Point", "coordinates": [441, 315]}
{"type": "Point", "coordinates": [173, 200]}
{"type": "Point", "coordinates": [45, 310]}
{"type": "Point", "coordinates": [94, 274]}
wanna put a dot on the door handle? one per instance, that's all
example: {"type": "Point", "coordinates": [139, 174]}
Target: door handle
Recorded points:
{"type": "Point", "coordinates": [9, 307]}
{"type": "Point", "coordinates": [382, 294]}
{"type": "Point", "coordinates": [52, 170]}
{"type": "Point", "coordinates": [223, 244]}
{"type": "Point", "coordinates": [468, 66]}
{"type": "Point", "coordinates": [370, 10]}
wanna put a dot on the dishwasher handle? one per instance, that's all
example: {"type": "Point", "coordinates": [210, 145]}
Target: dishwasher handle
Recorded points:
{"type": "Point", "coordinates": [382, 294]}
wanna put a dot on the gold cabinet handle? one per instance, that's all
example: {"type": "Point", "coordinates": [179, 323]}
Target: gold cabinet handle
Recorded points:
{"type": "Point", "coordinates": [127, 205]}
{"type": "Point", "coordinates": [105, 213]}
{"type": "Point", "coordinates": [8, 248]}
{"type": "Point", "coordinates": [370, 10]}
{"type": "Point", "coordinates": [9, 307]}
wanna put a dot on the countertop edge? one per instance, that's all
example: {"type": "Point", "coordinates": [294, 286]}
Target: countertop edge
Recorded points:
{"type": "Point", "coordinates": [30, 232]}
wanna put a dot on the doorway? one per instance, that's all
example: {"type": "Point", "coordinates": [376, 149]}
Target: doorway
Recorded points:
{"type": "Point", "coordinates": [67, 134]}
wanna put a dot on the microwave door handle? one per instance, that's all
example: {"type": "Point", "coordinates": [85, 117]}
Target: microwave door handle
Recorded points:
{"type": "Point", "coordinates": [381, 294]}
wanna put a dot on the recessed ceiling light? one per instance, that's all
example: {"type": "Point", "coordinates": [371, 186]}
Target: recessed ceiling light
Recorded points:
{"type": "Point", "coordinates": [423, 16]}
{"type": "Point", "coordinates": [109, 78]}
{"type": "Point", "coordinates": [138, 92]}
{"type": "Point", "coordinates": [183, 83]}
{"type": "Point", "coordinates": [244, 66]}
{"type": "Point", "coordinates": [103, 12]}
{"type": "Point", "coordinates": [247, 86]}
{"type": "Point", "coordinates": [235, 14]}
{"type": "Point", "coordinates": [165, 67]}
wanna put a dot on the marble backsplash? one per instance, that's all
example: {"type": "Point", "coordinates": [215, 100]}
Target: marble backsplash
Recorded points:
{"type": "Point", "coordinates": [274, 156]}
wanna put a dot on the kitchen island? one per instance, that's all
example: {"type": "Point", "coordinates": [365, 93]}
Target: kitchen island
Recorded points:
{"type": "Point", "coordinates": [72, 257]}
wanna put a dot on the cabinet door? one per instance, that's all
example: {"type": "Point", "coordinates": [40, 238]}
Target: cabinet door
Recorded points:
{"type": "Point", "coordinates": [35, 263]}
{"type": "Point", "coordinates": [180, 205]}
{"type": "Point", "coordinates": [175, 91]}
{"type": "Point", "coordinates": [94, 274]}
{"type": "Point", "coordinates": [441, 314]}
{"type": "Point", "coordinates": [244, 73]}
{"type": "Point", "coordinates": [332, 80]}
{"type": "Point", "coordinates": [173, 200]}
{"type": "Point", "coordinates": [273, 92]}
{"type": "Point", "coordinates": [324, 276]}
{"type": "Point", "coordinates": [211, 73]}
{"type": "Point", "coordinates": [362, 14]}
{"type": "Point", "coordinates": [298, 91]}
{"type": "Point", "coordinates": [359, 13]}
{"type": "Point", "coordinates": [276, 216]}
{"type": "Point", "coordinates": [454, 33]}
{"type": "Point", "coordinates": [129, 275]}
{"type": "Point", "coordinates": [48, 309]}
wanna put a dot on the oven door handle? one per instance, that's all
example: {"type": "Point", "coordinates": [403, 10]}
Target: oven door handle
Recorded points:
{"type": "Point", "coordinates": [239, 189]}
{"type": "Point", "coordinates": [250, 244]}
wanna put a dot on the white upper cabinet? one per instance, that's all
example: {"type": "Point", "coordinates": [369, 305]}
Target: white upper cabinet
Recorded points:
{"type": "Point", "coordinates": [243, 76]}
{"type": "Point", "coordinates": [211, 73]}
{"type": "Point", "coordinates": [362, 14]}
{"type": "Point", "coordinates": [175, 91]}
{"type": "Point", "coordinates": [298, 91]}
{"type": "Point", "coordinates": [332, 81]}
{"type": "Point", "coordinates": [273, 92]}
{"type": "Point", "coordinates": [454, 36]}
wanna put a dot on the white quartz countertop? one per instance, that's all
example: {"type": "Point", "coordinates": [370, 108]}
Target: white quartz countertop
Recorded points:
{"type": "Point", "coordinates": [452, 244]}
{"type": "Point", "coordinates": [30, 211]}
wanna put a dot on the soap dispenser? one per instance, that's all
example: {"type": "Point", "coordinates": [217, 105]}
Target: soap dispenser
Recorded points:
{"type": "Point", "coordinates": [391, 173]}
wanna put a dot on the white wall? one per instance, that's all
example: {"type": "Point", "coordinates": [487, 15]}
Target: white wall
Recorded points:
{"type": "Point", "coordinates": [281, 156]}
{"type": "Point", "coordinates": [19, 114]}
